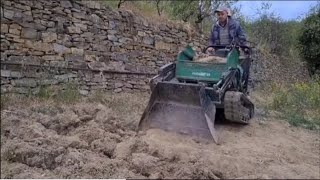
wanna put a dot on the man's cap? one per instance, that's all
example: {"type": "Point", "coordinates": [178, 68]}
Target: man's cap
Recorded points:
{"type": "Point", "coordinates": [220, 9]}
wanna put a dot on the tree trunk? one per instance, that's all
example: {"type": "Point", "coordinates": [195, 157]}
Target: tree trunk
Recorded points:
{"type": "Point", "coordinates": [158, 7]}
{"type": "Point", "coordinates": [198, 22]}
{"type": "Point", "coordinates": [120, 2]}
{"type": "Point", "coordinates": [199, 28]}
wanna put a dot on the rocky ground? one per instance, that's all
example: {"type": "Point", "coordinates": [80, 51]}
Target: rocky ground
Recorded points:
{"type": "Point", "coordinates": [97, 139]}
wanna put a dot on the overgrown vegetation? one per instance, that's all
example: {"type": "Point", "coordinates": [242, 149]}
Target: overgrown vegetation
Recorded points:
{"type": "Point", "coordinates": [299, 103]}
{"type": "Point", "coordinates": [200, 13]}
{"type": "Point", "coordinates": [270, 32]}
{"type": "Point", "coordinates": [309, 40]}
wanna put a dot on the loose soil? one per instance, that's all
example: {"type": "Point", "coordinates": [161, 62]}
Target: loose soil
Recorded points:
{"type": "Point", "coordinates": [98, 140]}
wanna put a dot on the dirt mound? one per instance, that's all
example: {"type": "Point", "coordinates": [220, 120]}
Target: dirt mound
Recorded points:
{"type": "Point", "coordinates": [91, 140]}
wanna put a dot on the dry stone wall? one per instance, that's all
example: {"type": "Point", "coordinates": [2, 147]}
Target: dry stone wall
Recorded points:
{"type": "Point", "coordinates": [53, 42]}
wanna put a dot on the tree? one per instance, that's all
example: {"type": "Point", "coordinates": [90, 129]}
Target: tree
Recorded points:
{"type": "Point", "coordinates": [196, 11]}
{"type": "Point", "coordinates": [309, 40]}
{"type": "Point", "coordinates": [269, 30]}
{"type": "Point", "coordinates": [183, 10]}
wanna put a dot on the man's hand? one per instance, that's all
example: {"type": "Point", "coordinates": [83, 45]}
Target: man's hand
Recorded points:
{"type": "Point", "coordinates": [210, 50]}
{"type": "Point", "coordinates": [246, 50]}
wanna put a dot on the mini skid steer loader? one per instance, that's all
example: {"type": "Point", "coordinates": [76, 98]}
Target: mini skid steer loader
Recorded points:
{"type": "Point", "coordinates": [187, 94]}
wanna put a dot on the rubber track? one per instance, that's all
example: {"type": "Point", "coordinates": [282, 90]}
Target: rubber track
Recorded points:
{"type": "Point", "coordinates": [234, 109]}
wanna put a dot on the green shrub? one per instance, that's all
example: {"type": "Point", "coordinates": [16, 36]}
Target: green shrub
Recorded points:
{"type": "Point", "coordinates": [299, 103]}
{"type": "Point", "coordinates": [45, 92]}
{"type": "Point", "coordinates": [69, 93]}
{"type": "Point", "coordinates": [309, 40]}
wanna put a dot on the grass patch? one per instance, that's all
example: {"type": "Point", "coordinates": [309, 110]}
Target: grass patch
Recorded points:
{"type": "Point", "coordinates": [298, 103]}
{"type": "Point", "coordinates": [97, 96]}
{"type": "Point", "coordinates": [9, 99]}
{"type": "Point", "coordinates": [4, 99]}
{"type": "Point", "coordinates": [112, 4]}
{"type": "Point", "coordinates": [67, 94]}
{"type": "Point", "coordinates": [45, 92]}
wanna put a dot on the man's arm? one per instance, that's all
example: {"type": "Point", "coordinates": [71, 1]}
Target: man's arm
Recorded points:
{"type": "Point", "coordinates": [212, 39]}
{"type": "Point", "coordinates": [241, 35]}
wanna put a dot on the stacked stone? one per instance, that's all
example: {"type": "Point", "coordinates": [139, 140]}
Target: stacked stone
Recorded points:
{"type": "Point", "coordinates": [86, 37]}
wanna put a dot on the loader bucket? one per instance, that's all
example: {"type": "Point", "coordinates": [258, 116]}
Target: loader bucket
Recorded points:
{"type": "Point", "coordinates": [180, 108]}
